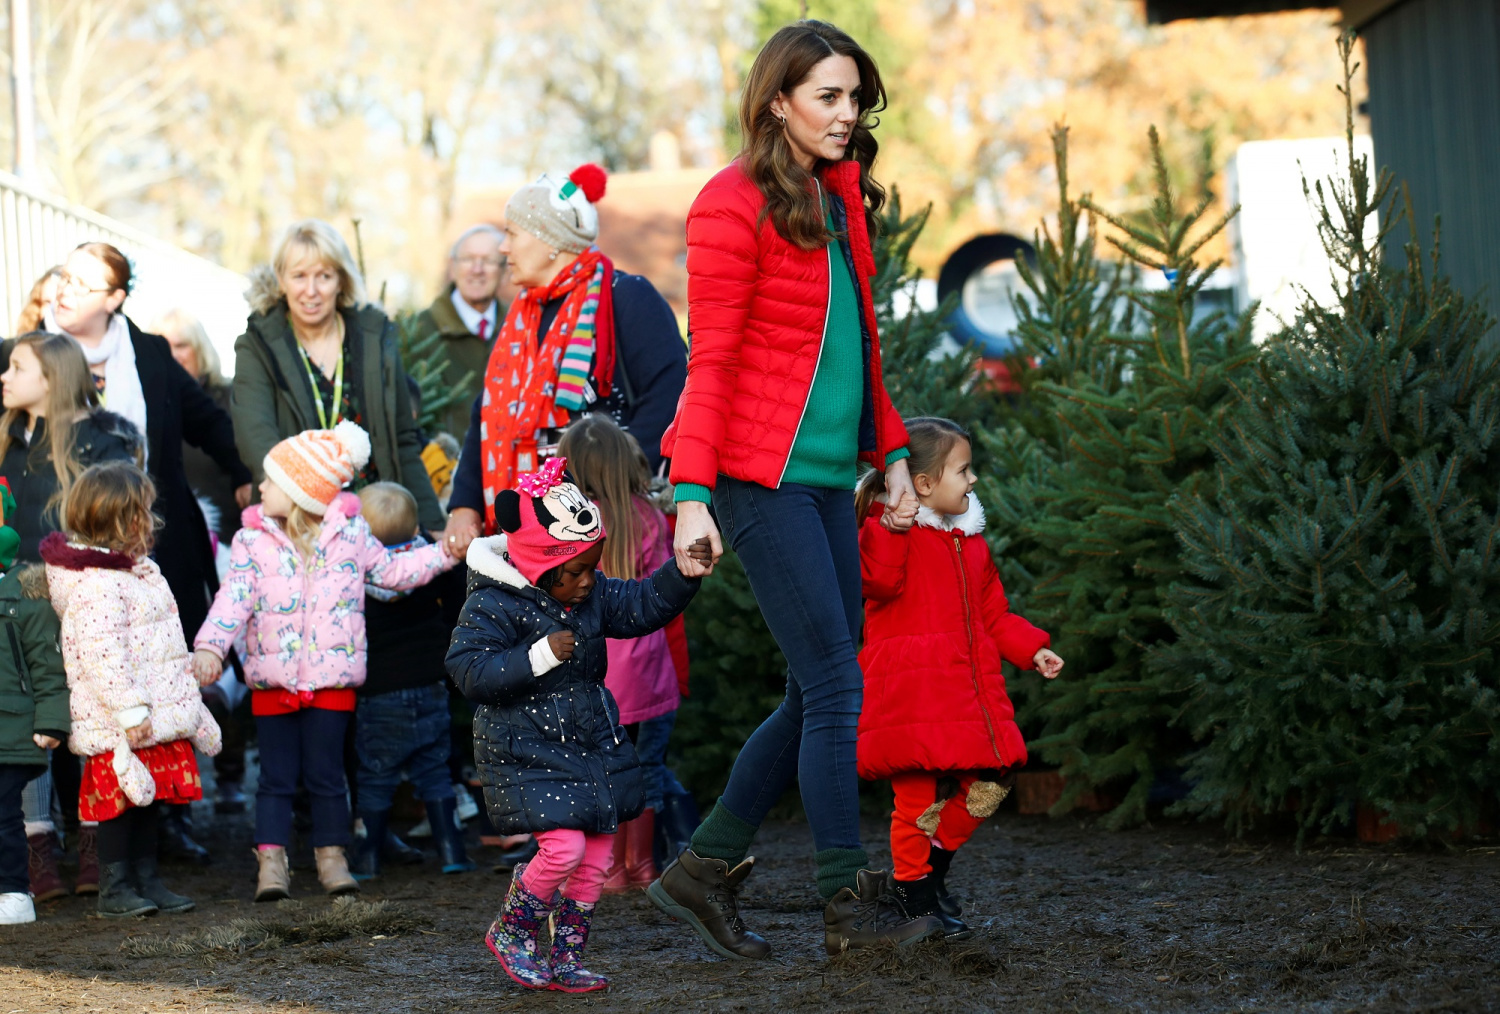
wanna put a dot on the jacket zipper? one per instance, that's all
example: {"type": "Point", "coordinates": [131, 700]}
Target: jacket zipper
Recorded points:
{"type": "Point", "coordinates": [822, 342]}
{"type": "Point", "coordinates": [604, 703]}
{"type": "Point", "coordinates": [15, 649]}
{"type": "Point", "coordinates": [963, 580]}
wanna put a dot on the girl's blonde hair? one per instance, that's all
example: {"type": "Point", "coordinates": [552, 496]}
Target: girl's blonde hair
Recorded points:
{"type": "Point", "coordinates": [185, 326]}
{"type": "Point", "coordinates": [930, 438]}
{"type": "Point", "coordinates": [611, 469]}
{"type": "Point", "coordinates": [323, 241]}
{"type": "Point", "coordinates": [302, 527]}
{"type": "Point", "coordinates": [70, 390]}
{"type": "Point", "coordinates": [109, 507]}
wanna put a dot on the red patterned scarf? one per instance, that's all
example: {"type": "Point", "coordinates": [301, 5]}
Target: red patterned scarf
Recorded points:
{"type": "Point", "coordinates": [520, 380]}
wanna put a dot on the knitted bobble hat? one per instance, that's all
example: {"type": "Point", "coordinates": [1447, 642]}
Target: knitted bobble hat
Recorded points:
{"type": "Point", "coordinates": [561, 212]}
{"type": "Point", "coordinates": [314, 465]}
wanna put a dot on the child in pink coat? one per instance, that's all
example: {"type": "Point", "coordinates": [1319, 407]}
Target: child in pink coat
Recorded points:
{"type": "Point", "coordinates": [296, 586]}
{"type": "Point", "coordinates": [136, 710]}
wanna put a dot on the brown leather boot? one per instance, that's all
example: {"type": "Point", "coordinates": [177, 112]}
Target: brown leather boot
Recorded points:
{"type": "Point", "coordinates": [704, 893]}
{"type": "Point", "coordinates": [333, 870]}
{"type": "Point", "coordinates": [274, 881]}
{"type": "Point", "coordinates": [872, 916]}
{"type": "Point", "coordinates": [41, 866]}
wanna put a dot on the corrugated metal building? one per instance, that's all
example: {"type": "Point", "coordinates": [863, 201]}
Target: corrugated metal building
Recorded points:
{"type": "Point", "coordinates": [1434, 76]}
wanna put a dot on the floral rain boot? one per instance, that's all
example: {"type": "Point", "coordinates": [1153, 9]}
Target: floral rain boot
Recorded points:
{"type": "Point", "coordinates": [570, 934]}
{"type": "Point", "coordinates": [513, 935]}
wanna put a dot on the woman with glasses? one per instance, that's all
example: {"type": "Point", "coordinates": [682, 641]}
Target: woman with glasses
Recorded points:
{"type": "Point", "coordinates": [137, 378]}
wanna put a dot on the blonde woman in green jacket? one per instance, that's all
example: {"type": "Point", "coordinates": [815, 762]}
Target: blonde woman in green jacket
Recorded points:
{"type": "Point", "coordinates": [315, 352]}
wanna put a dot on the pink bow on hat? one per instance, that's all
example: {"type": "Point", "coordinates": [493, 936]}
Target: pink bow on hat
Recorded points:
{"type": "Point", "coordinates": [541, 482]}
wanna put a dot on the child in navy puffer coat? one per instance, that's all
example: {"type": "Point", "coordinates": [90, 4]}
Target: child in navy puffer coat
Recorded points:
{"type": "Point", "coordinates": [554, 760]}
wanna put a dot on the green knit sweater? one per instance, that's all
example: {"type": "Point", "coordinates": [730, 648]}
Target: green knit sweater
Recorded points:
{"type": "Point", "coordinates": [826, 449]}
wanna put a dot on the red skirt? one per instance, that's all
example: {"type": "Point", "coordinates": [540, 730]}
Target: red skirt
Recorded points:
{"type": "Point", "coordinates": [173, 766]}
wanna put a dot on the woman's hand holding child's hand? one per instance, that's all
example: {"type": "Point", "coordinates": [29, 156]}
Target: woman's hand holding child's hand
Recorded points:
{"type": "Point", "coordinates": [45, 742]}
{"type": "Point", "coordinates": [138, 735]}
{"type": "Point", "coordinates": [206, 666]}
{"type": "Point", "coordinates": [702, 551]}
{"type": "Point", "coordinates": [901, 499]}
{"type": "Point", "coordinates": [562, 643]}
{"type": "Point", "coordinates": [1048, 663]}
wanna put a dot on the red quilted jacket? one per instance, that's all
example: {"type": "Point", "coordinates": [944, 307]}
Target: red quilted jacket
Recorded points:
{"type": "Point", "coordinates": [936, 627]}
{"type": "Point", "coordinates": [757, 305]}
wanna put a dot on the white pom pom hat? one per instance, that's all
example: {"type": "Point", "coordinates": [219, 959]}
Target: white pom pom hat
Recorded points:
{"type": "Point", "coordinates": [314, 465]}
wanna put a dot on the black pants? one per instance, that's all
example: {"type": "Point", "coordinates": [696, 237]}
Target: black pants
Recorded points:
{"type": "Point", "coordinates": [229, 765]}
{"type": "Point", "coordinates": [132, 835]}
{"type": "Point", "coordinates": [13, 876]}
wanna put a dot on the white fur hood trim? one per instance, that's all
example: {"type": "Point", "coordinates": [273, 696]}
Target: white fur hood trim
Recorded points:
{"type": "Point", "coordinates": [487, 555]}
{"type": "Point", "coordinates": [970, 522]}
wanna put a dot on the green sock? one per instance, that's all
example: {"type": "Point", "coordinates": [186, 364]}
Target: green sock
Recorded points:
{"type": "Point", "coordinates": [838, 868]}
{"type": "Point", "coordinates": [724, 836]}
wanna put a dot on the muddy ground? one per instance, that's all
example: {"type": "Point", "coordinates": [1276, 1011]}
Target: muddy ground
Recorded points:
{"type": "Point", "coordinates": [1172, 917]}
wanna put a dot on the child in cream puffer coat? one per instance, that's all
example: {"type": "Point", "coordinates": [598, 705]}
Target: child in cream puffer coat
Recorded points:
{"type": "Point", "coordinates": [296, 588]}
{"type": "Point", "coordinates": [136, 710]}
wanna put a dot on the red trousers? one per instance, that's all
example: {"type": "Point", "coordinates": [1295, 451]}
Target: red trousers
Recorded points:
{"type": "Point", "coordinates": [910, 845]}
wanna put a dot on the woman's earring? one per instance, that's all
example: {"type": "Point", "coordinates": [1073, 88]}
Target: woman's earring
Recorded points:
{"type": "Point", "coordinates": [783, 121]}
{"type": "Point", "coordinates": [552, 256]}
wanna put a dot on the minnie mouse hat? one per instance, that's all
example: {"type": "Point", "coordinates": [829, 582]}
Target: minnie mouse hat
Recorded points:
{"type": "Point", "coordinates": [548, 520]}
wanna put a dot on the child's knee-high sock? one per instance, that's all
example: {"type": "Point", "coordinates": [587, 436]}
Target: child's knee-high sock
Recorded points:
{"type": "Point", "coordinates": [587, 881]}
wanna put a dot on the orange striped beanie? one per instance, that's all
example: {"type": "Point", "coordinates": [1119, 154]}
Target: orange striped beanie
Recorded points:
{"type": "Point", "coordinates": [314, 465]}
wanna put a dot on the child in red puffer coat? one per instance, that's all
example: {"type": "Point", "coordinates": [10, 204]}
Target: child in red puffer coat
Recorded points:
{"type": "Point", "coordinates": [936, 719]}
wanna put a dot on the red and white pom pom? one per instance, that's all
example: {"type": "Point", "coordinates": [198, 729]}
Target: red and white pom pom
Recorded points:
{"type": "Point", "coordinates": [591, 180]}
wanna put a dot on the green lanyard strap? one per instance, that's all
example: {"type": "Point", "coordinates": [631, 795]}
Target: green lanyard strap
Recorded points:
{"type": "Point", "coordinates": [338, 389]}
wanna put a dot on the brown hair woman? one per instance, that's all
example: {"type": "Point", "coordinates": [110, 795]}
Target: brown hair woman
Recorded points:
{"type": "Point", "coordinates": [784, 397]}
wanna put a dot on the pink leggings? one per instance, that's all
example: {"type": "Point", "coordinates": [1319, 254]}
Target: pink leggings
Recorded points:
{"type": "Point", "coordinates": [571, 861]}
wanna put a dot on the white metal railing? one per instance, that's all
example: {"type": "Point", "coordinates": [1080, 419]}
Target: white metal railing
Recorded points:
{"type": "Point", "coordinates": [37, 230]}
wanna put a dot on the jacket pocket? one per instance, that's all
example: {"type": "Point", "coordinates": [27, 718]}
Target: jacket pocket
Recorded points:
{"type": "Point", "coordinates": [17, 715]}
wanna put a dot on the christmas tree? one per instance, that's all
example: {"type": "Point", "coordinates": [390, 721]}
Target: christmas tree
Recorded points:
{"type": "Point", "coordinates": [1133, 407]}
{"type": "Point", "coordinates": [1340, 624]}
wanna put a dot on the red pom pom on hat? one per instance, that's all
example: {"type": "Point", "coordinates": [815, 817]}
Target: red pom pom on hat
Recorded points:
{"type": "Point", "coordinates": [591, 180]}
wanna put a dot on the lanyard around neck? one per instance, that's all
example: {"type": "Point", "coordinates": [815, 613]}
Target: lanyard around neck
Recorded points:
{"type": "Point", "coordinates": [324, 422]}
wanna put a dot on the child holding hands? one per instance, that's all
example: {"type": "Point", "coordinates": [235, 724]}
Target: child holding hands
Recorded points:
{"type": "Point", "coordinates": [136, 710]}
{"type": "Point", "coordinates": [296, 585]}
{"type": "Point", "coordinates": [936, 719]}
{"type": "Point", "coordinates": [553, 757]}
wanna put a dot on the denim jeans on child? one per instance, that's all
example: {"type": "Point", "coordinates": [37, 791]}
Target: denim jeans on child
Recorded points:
{"type": "Point", "coordinates": [36, 803]}
{"type": "Point", "coordinates": [403, 730]}
{"type": "Point", "coordinates": [800, 549]}
{"type": "Point", "coordinates": [14, 878]}
{"type": "Point", "coordinates": [308, 744]}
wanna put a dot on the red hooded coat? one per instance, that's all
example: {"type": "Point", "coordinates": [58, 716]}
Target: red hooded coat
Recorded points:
{"type": "Point", "coordinates": [757, 308]}
{"type": "Point", "coordinates": [937, 625]}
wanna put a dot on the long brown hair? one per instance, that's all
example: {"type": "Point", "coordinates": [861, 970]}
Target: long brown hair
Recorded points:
{"type": "Point", "coordinates": [110, 507]}
{"type": "Point", "coordinates": [70, 390]}
{"type": "Point", "coordinates": [782, 64]}
{"type": "Point", "coordinates": [611, 469]}
{"type": "Point", "coordinates": [929, 439]}
{"type": "Point", "coordinates": [31, 314]}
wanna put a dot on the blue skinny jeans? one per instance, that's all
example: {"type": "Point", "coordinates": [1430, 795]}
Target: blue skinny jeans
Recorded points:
{"type": "Point", "coordinates": [800, 549]}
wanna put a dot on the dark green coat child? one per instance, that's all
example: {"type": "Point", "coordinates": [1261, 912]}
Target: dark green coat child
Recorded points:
{"type": "Point", "coordinates": [33, 686]}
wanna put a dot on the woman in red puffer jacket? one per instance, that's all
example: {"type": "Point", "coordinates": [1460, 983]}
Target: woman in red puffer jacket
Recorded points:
{"type": "Point", "coordinates": [784, 397]}
{"type": "Point", "coordinates": [937, 721]}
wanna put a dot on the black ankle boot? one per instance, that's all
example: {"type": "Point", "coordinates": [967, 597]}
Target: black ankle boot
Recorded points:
{"type": "Point", "coordinates": [149, 886]}
{"type": "Point", "coordinates": [919, 898]}
{"type": "Point", "coordinates": [364, 856]}
{"type": "Point", "coordinates": [117, 895]}
{"type": "Point", "coordinates": [447, 835]}
{"type": "Point", "coordinates": [941, 860]}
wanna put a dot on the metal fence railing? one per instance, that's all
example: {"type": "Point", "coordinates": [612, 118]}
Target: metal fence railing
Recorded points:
{"type": "Point", "coordinates": [37, 230]}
